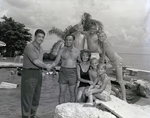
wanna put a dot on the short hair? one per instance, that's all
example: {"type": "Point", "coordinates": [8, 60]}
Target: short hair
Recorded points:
{"type": "Point", "coordinates": [102, 32]}
{"type": "Point", "coordinates": [70, 35]}
{"type": "Point", "coordinates": [102, 65]}
{"type": "Point", "coordinates": [77, 26]}
{"type": "Point", "coordinates": [85, 51]}
{"type": "Point", "coordinates": [93, 24]}
{"type": "Point", "coordinates": [39, 31]}
{"type": "Point", "coordinates": [93, 59]}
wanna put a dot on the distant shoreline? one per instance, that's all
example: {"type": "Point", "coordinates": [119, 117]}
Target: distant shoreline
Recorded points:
{"type": "Point", "coordinates": [134, 53]}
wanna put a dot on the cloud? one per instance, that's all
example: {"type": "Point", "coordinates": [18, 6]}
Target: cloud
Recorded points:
{"type": "Point", "coordinates": [147, 18]}
{"type": "Point", "coordinates": [132, 36]}
{"type": "Point", "coordinates": [124, 25]}
{"type": "Point", "coordinates": [19, 3]}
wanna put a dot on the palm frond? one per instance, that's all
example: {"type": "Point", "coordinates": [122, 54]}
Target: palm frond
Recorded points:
{"type": "Point", "coordinates": [69, 30]}
{"type": "Point", "coordinates": [56, 46]}
{"type": "Point", "coordinates": [57, 32]}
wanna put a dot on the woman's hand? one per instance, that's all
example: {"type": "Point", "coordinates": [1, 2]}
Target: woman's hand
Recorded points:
{"type": "Point", "coordinates": [90, 82]}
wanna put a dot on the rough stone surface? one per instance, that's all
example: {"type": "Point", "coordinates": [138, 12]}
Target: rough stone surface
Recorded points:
{"type": "Point", "coordinates": [143, 88]}
{"type": "Point", "coordinates": [77, 110]}
{"type": "Point", "coordinates": [145, 108]}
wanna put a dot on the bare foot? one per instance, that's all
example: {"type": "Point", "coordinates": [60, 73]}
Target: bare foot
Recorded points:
{"type": "Point", "coordinates": [96, 101]}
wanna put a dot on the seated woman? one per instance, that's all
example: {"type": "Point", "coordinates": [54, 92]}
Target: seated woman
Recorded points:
{"type": "Point", "coordinates": [101, 88]}
{"type": "Point", "coordinates": [83, 74]}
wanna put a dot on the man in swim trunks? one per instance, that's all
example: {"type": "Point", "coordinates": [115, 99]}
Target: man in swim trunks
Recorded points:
{"type": "Point", "coordinates": [68, 75]}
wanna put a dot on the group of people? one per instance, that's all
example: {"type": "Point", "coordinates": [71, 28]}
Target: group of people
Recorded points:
{"type": "Point", "coordinates": [78, 64]}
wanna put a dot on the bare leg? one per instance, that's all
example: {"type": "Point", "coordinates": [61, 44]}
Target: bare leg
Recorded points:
{"type": "Point", "coordinates": [72, 90]}
{"type": "Point", "coordinates": [120, 79]}
{"type": "Point", "coordinates": [90, 98]}
{"type": "Point", "coordinates": [114, 91]}
{"type": "Point", "coordinates": [80, 94]}
{"type": "Point", "coordinates": [63, 88]}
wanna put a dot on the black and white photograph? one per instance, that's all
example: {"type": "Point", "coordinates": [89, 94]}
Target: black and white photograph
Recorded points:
{"type": "Point", "coordinates": [74, 59]}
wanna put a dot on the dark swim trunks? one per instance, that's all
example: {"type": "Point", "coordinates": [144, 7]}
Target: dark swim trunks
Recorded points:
{"type": "Point", "coordinates": [67, 76]}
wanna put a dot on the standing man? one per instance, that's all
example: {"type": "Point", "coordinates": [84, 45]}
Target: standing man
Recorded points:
{"type": "Point", "coordinates": [31, 80]}
{"type": "Point", "coordinates": [68, 73]}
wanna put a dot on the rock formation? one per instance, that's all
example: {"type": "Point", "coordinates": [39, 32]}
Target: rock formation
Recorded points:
{"type": "Point", "coordinates": [78, 110]}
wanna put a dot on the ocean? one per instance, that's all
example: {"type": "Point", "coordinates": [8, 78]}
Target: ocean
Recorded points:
{"type": "Point", "coordinates": [137, 61]}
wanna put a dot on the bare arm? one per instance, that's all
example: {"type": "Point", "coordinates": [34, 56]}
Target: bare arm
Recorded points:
{"type": "Point", "coordinates": [62, 45]}
{"type": "Point", "coordinates": [85, 43]}
{"type": "Point", "coordinates": [90, 75]}
{"type": "Point", "coordinates": [95, 81]}
{"type": "Point", "coordinates": [57, 60]}
{"type": "Point", "coordinates": [91, 78]}
{"type": "Point", "coordinates": [79, 76]}
{"type": "Point", "coordinates": [86, 46]}
{"type": "Point", "coordinates": [40, 64]}
{"type": "Point", "coordinates": [102, 88]}
{"type": "Point", "coordinates": [103, 52]}
{"type": "Point", "coordinates": [79, 58]}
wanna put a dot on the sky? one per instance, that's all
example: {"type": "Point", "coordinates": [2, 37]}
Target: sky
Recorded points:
{"type": "Point", "coordinates": [126, 22]}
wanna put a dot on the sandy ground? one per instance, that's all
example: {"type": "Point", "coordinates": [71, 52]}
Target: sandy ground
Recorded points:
{"type": "Point", "coordinates": [10, 106]}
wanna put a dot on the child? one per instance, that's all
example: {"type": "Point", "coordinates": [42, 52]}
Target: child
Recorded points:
{"type": "Point", "coordinates": [93, 70]}
{"type": "Point", "coordinates": [115, 59]}
{"type": "Point", "coordinates": [101, 88]}
{"type": "Point", "coordinates": [83, 73]}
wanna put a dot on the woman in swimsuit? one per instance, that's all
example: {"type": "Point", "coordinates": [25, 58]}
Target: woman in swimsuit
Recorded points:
{"type": "Point", "coordinates": [83, 74]}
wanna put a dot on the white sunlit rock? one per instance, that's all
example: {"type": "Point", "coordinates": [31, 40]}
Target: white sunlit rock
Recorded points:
{"type": "Point", "coordinates": [144, 88]}
{"type": "Point", "coordinates": [77, 110]}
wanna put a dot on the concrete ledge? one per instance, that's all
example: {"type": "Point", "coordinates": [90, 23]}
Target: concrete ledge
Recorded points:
{"type": "Point", "coordinates": [10, 64]}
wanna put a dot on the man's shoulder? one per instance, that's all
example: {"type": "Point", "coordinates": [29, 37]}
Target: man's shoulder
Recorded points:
{"type": "Point", "coordinates": [29, 45]}
{"type": "Point", "coordinates": [76, 49]}
{"type": "Point", "coordinates": [28, 48]}
{"type": "Point", "coordinates": [62, 49]}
